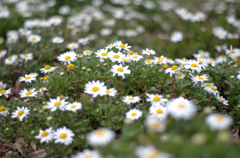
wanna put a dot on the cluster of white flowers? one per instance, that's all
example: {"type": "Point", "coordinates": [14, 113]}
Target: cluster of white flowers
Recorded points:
{"type": "Point", "coordinates": [184, 14]}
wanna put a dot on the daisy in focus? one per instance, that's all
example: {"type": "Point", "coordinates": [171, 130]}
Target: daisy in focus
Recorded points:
{"type": "Point", "coordinates": [110, 92]}
{"type": "Point", "coordinates": [131, 100]}
{"type": "Point", "coordinates": [133, 114]}
{"type": "Point", "coordinates": [197, 79]}
{"type": "Point", "coordinates": [156, 99]}
{"type": "Point", "coordinates": [173, 70]}
{"type": "Point", "coordinates": [27, 78]}
{"type": "Point", "coordinates": [20, 113]}
{"type": "Point", "coordinates": [73, 106]}
{"type": "Point", "coordinates": [11, 59]}
{"type": "Point", "coordinates": [120, 70]}
{"type": "Point", "coordinates": [68, 57]}
{"type": "Point", "coordinates": [212, 90]}
{"type": "Point", "coordinates": [45, 135]}
{"type": "Point", "coordinates": [100, 137]}
{"type": "Point", "coordinates": [47, 69]}
{"type": "Point", "coordinates": [119, 45]}
{"type": "Point", "coordinates": [159, 112]}
{"type": "Point", "coordinates": [94, 88]}
{"type": "Point", "coordinates": [63, 135]}
{"type": "Point", "coordinates": [57, 103]}
{"type": "Point", "coordinates": [28, 93]}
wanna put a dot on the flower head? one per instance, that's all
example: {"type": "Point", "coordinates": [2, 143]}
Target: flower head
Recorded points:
{"type": "Point", "coordinates": [20, 113]}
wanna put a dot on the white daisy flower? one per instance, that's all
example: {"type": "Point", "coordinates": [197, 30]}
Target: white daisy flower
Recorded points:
{"type": "Point", "coordinates": [221, 47]}
{"type": "Point", "coordinates": [33, 74]}
{"type": "Point", "coordinates": [56, 20]}
{"type": "Point", "coordinates": [83, 41]}
{"type": "Point", "coordinates": [131, 100]}
{"type": "Point", "coordinates": [111, 46]}
{"type": "Point", "coordinates": [57, 40]}
{"type": "Point", "coordinates": [68, 57]}
{"type": "Point", "coordinates": [202, 63]}
{"type": "Point", "coordinates": [193, 65]}
{"type": "Point", "coordinates": [94, 88]}
{"type": "Point", "coordinates": [156, 99]}
{"type": "Point", "coordinates": [87, 52]}
{"type": "Point", "coordinates": [211, 62]}
{"type": "Point", "coordinates": [150, 152]}
{"type": "Point", "coordinates": [2, 85]}
{"type": "Point", "coordinates": [176, 36]}
{"type": "Point", "coordinates": [160, 60]}
{"type": "Point", "coordinates": [100, 137]}
{"type": "Point", "coordinates": [181, 108]}
{"type": "Point", "coordinates": [119, 45]}
{"type": "Point", "coordinates": [5, 92]}
{"type": "Point", "coordinates": [34, 38]}
{"type": "Point", "coordinates": [45, 135]}
{"type": "Point", "coordinates": [148, 52]}
{"type": "Point", "coordinates": [86, 153]}
{"type": "Point", "coordinates": [63, 135]}
{"type": "Point", "coordinates": [28, 93]}
{"type": "Point", "coordinates": [218, 121]}
{"type": "Point", "coordinates": [102, 54]}
{"type": "Point", "coordinates": [47, 69]}
{"type": "Point", "coordinates": [27, 78]}
{"type": "Point", "coordinates": [197, 79]}
{"type": "Point", "coordinates": [212, 90]}
{"type": "Point", "coordinates": [73, 106]}
{"type": "Point", "coordinates": [221, 59]}
{"type": "Point", "coordinates": [42, 90]}
{"type": "Point", "coordinates": [170, 61]}
{"type": "Point", "coordinates": [3, 111]}
{"type": "Point", "coordinates": [20, 113]}
{"type": "Point", "coordinates": [73, 46]}
{"type": "Point", "coordinates": [133, 114]}
{"type": "Point", "coordinates": [110, 92]}
{"type": "Point", "coordinates": [120, 70]}
{"type": "Point", "coordinates": [57, 103]}
{"type": "Point", "coordinates": [26, 57]}
{"type": "Point", "coordinates": [11, 59]}
{"type": "Point", "coordinates": [2, 53]}
{"type": "Point", "coordinates": [222, 100]}
{"type": "Point", "coordinates": [159, 112]}
{"type": "Point", "coordinates": [173, 70]}
{"type": "Point", "coordinates": [136, 57]}
{"type": "Point", "coordinates": [149, 62]}
{"type": "Point", "coordinates": [180, 75]}
{"type": "Point", "coordinates": [153, 124]}
{"type": "Point", "coordinates": [115, 57]}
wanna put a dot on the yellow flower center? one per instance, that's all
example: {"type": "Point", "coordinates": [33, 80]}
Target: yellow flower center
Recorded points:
{"type": "Point", "coordinates": [174, 67]}
{"type": "Point", "coordinates": [131, 52]}
{"type": "Point", "coordinates": [2, 108]}
{"type": "Point", "coordinates": [181, 105]}
{"type": "Point", "coordinates": [200, 62]}
{"type": "Point", "coordinates": [147, 51]}
{"type": "Point", "coordinates": [47, 67]}
{"type": "Point", "coordinates": [210, 61]}
{"type": "Point", "coordinates": [131, 98]}
{"type": "Point", "coordinates": [200, 78]}
{"type": "Point", "coordinates": [67, 57]}
{"type": "Point", "coordinates": [232, 51]}
{"type": "Point", "coordinates": [148, 62]}
{"type": "Point", "coordinates": [104, 54]}
{"type": "Point", "coordinates": [135, 57]}
{"type": "Point", "coordinates": [1, 86]}
{"type": "Point", "coordinates": [107, 91]}
{"type": "Point", "coordinates": [194, 65]}
{"type": "Point", "coordinates": [29, 93]}
{"type": "Point", "coordinates": [208, 84]}
{"type": "Point", "coordinates": [170, 59]}
{"type": "Point", "coordinates": [70, 67]}
{"type": "Point", "coordinates": [134, 114]}
{"type": "Point", "coordinates": [165, 66]}
{"type": "Point", "coordinates": [73, 106]}
{"type": "Point", "coordinates": [25, 55]}
{"type": "Point", "coordinates": [44, 133]}
{"type": "Point", "coordinates": [87, 52]}
{"type": "Point", "coordinates": [179, 75]}
{"type": "Point", "coordinates": [201, 56]}
{"type": "Point", "coordinates": [214, 88]}
{"type": "Point", "coordinates": [110, 45]}
{"type": "Point", "coordinates": [236, 60]}
{"type": "Point", "coordinates": [122, 46]}
{"type": "Point", "coordinates": [57, 103]}
{"type": "Point", "coordinates": [28, 77]}
{"type": "Point", "coordinates": [156, 98]}
{"type": "Point", "coordinates": [20, 112]}
{"type": "Point", "coordinates": [95, 89]}
{"type": "Point", "coordinates": [219, 117]}
{"type": "Point", "coordinates": [159, 111]}
{"type": "Point", "coordinates": [120, 69]}
{"type": "Point", "coordinates": [153, 154]}
{"type": "Point", "coordinates": [2, 91]}
{"type": "Point", "coordinates": [116, 56]}
{"type": "Point", "coordinates": [100, 132]}
{"type": "Point", "coordinates": [63, 135]}
{"type": "Point", "coordinates": [10, 58]}
{"type": "Point", "coordinates": [45, 77]}
{"type": "Point", "coordinates": [34, 38]}
{"type": "Point", "coordinates": [73, 46]}
{"type": "Point", "coordinates": [88, 156]}
{"type": "Point", "coordinates": [155, 124]}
